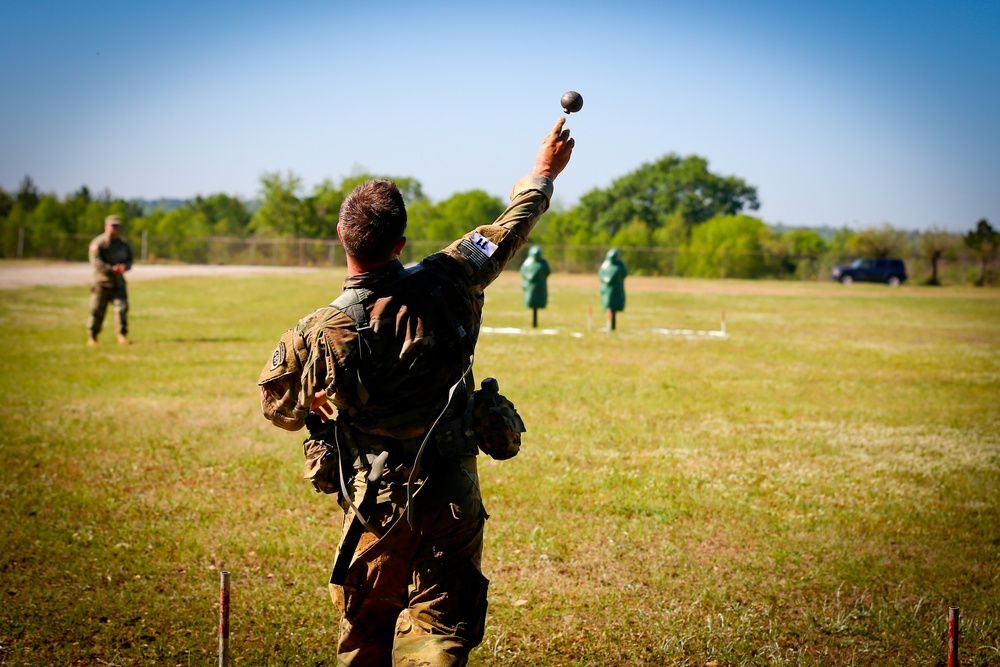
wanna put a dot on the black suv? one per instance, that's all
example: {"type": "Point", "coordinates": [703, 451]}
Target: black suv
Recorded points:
{"type": "Point", "coordinates": [889, 271]}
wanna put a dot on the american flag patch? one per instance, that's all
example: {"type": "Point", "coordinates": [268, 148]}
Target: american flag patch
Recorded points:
{"type": "Point", "coordinates": [477, 248]}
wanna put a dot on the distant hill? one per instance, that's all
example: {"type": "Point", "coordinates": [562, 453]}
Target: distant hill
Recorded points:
{"type": "Point", "coordinates": [826, 233]}
{"type": "Point", "coordinates": [167, 205]}
{"type": "Point", "coordinates": [150, 205]}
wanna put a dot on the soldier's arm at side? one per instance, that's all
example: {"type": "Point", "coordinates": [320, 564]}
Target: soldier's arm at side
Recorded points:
{"type": "Point", "coordinates": [295, 380]}
{"type": "Point", "coordinates": [280, 382]}
{"type": "Point", "coordinates": [97, 259]}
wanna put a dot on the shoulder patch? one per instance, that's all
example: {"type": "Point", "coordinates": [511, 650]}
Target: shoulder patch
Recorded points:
{"type": "Point", "coordinates": [278, 356]}
{"type": "Point", "coordinates": [287, 359]}
{"type": "Point", "coordinates": [477, 248]}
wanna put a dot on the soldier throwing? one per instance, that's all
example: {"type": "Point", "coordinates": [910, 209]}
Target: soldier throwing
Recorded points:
{"type": "Point", "coordinates": [111, 257]}
{"type": "Point", "coordinates": [383, 380]}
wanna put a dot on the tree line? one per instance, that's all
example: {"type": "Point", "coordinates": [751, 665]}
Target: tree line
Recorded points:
{"type": "Point", "coordinates": [700, 221]}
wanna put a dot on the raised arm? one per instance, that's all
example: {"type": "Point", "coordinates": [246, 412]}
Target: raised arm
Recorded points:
{"type": "Point", "coordinates": [485, 251]}
{"type": "Point", "coordinates": [555, 151]}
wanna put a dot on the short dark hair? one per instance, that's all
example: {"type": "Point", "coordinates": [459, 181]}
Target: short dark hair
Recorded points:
{"type": "Point", "coordinates": [372, 220]}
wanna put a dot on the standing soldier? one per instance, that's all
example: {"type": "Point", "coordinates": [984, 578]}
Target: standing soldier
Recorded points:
{"type": "Point", "coordinates": [612, 274]}
{"type": "Point", "coordinates": [111, 257]}
{"type": "Point", "coordinates": [383, 380]}
{"type": "Point", "coordinates": [534, 272]}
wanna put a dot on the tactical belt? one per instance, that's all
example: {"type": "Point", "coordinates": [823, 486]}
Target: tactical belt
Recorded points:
{"type": "Point", "coordinates": [453, 440]}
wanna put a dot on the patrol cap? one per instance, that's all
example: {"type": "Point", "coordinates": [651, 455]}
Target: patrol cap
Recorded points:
{"type": "Point", "coordinates": [113, 220]}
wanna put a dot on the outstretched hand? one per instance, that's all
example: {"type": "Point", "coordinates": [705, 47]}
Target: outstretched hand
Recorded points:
{"type": "Point", "coordinates": [554, 153]}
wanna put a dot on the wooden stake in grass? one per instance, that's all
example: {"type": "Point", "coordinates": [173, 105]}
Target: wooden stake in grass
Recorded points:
{"type": "Point", "coordinates": [224, 619]}
{"type": "Point", "coordinates": [953, 637]}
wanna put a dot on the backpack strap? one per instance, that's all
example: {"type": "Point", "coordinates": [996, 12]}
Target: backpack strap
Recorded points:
{"type": "Point", "coordinates": [351, 303]}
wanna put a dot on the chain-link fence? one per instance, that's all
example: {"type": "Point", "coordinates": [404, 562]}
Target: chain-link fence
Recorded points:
{"type": "Point", "coordinates": [961, 268]}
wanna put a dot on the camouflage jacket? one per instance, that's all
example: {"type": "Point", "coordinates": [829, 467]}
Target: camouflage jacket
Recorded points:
{"type": "Point", "coordinates": [424, 323]}
{"type": "Point", "coordinates": [105, 252]}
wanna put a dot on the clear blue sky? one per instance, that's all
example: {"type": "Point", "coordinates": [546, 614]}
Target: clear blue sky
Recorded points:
{"type": "Point", "coordinates": [840, 113]}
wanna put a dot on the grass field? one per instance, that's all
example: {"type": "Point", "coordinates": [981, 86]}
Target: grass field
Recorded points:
{"type": "Point", "coordinates": [816, 489]}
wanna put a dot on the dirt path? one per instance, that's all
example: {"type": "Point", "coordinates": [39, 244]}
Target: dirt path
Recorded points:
{"type": "Point", "coordinates": [28, 274]}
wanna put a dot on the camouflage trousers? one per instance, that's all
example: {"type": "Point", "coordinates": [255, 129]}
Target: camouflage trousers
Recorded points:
{"type": "Point", "coordinates": [100, 297]}
{"type": "Point", "coordinates": [417, 596]}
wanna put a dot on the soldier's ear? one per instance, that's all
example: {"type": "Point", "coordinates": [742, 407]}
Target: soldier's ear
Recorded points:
{"type": "Point", "coordinates": [398, 248]}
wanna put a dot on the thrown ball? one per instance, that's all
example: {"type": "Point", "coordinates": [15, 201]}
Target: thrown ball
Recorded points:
{"type": "Point", "coordinates": [572, 101]}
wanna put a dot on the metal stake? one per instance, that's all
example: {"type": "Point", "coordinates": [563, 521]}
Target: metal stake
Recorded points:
{"type": "Point", "coordinates": [953, 637]}
{"type": "Point", "coordinates": [224, 620]}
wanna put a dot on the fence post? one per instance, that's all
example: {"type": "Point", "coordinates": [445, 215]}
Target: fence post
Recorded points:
{"type": "Point", "coordinates": [20, 242]}
{"type": "Point", "coordinates": [253, 248]}
{"type": "Point", "coordinates": [145, 245]}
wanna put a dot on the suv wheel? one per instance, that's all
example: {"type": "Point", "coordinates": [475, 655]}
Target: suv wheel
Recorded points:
{"type": "Point", "coordinates": [846, 280]}
{"type": "Point", "coordinates": [893, 281]}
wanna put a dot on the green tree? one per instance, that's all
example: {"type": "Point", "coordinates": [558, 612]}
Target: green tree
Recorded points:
{"type": "Point", "coordinates": [226, 216]}
{"type": "Point", "coordinates": [281, 212]}
{"type": "Point", "coordinates": [75, 206]}
{"type": "Point", "coordinates": [325, 208]}
{"type": "Point", "coordinates": [729, 246]}
{"type": "Point", "coordinates": [635, 234]}
{"type": "Point", "coordinates": [799, 252]}
{"type": "Point", "coordinates": [674, 233]}
{"type": "Point", "coordinates": [460, 213]}
{"type": "Point", "coordinates": [841, 243]}
{"type": "Point", "coordinates": [49, 225]}
{"type": "Point", "coordinates": [656, 191]}
{"type": "Point", "coordinates": [635, 240]}
{"type": "Point", "coordinates": [568, 228]}
{"type": "Point", "coordinates": [878, 242]}
{"type": "Point", "coordinates": [180, 234]}
{"type": "Point", "coordinates": [15, 220]}
{"type": "Point", "coordinates": [934, 245]}
{"type": "Point", "coordinates": [983, 241]}
{"type": "Point", "coordinates": [28, 195]}
{"type": "Point", "coordinates": [6, 203]}
{"type": "Point", "coordinates": [8, 230]}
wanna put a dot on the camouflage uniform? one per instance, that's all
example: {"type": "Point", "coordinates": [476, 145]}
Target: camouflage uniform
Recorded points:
{"type": "Point", "coordinates": [416, 595]}
{"type": "Point", "coordinates": [106, 252]}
